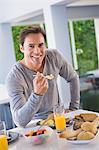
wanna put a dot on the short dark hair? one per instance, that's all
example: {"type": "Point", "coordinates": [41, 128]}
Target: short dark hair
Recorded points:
{"type": "Point", "coordinates": [30, 30]}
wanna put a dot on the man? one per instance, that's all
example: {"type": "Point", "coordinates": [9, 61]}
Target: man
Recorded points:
{"type": "Point", "coordinates": [32, 95]}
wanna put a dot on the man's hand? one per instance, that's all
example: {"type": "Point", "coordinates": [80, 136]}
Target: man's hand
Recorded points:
{"type": "Point", "coordinates": [40, 84]}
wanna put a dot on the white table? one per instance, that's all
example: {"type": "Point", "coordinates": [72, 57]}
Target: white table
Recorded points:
{"type": "Point", "coordinates": [55, 144]}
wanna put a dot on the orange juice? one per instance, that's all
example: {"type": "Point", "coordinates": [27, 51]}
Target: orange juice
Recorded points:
{"type": "Point", "coordinates": [3, 142]}
{"type": "Point", "coordinates": [60, 122]}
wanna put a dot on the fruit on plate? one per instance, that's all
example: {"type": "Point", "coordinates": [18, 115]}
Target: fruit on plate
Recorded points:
{"type": "Point", "coordinates": [50, 122]}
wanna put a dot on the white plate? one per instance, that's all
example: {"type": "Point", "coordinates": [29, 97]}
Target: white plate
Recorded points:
{"type": "Point", "coordinates": [12, 136]}
{"type": "Point", "coordinates": [80, 141]}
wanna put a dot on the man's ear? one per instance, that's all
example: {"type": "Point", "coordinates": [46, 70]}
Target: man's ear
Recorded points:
{"type": "Point", "coordinates": [21, 49]}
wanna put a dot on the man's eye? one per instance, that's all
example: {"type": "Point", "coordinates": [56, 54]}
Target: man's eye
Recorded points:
{"type": "Point", "coordinates": [31, 46]}
{"type": "Point", "coordinates": [41, 45]}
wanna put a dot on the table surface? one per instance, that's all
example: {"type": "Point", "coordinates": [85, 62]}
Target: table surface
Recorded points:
{"type": "Point", "coordinates": [55, 143]}
{"type": "Point", "coordinates": [4, 98]}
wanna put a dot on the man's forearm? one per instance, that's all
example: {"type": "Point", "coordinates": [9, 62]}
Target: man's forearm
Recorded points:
{"type": "Point", "coordinates": [22, 116]}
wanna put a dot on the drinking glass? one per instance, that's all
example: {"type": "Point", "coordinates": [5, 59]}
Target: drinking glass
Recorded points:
{"type": "Point", "coordinates": [3, 137]}
{"type": "Point", "coordinates": [59, 116]}
{"type": "Point", "coordinates": [2, 128]}
{"type": "Point", "coordinates": [3, 142]}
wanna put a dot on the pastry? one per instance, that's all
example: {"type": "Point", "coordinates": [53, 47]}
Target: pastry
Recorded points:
{"type": "Point", "coordinates": [77, 124]}
{"type": "Point", "coordinates": [89, 126]}
{"type": "Point", "coordinates": [78, 120]}
{"type": "Point", "coordinates": [69, 133]}
{"type": "Point", "coordinates": [88, 116]}
{"type": "Point", "coordinates": [78, 117]}
{"type": "Point", "coordinates": [96, 122]}
{"type": "Point", "coordinates": [85, 135]}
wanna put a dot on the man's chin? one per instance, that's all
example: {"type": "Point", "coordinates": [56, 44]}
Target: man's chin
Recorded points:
{"type": "Point", "coordinates": [36, 64]}
{"type": "Point", "coordinates": [37, 61]}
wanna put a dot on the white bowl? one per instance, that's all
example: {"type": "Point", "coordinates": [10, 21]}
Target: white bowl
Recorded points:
{"type": "Point", "coordinates": [41, 138]}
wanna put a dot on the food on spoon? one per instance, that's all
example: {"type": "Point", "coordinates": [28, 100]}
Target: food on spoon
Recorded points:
{"type": "Point", "coordinates": [85, 135]}
{"type": "Point", "coordinates": [50, 77]}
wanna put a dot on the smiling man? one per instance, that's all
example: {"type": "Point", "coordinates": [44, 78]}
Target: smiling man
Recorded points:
{"type": "Point", "coordinates": [34, 51]}
{"type": "Point", "coordinates": [32, 95]}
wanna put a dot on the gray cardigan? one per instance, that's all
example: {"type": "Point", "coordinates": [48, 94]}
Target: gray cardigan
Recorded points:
{"type": "Point", "coordinates": [25, 105]}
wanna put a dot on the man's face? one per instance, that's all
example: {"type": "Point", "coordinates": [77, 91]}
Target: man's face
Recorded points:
{"type": "Point", "coordinates": [34, 51]}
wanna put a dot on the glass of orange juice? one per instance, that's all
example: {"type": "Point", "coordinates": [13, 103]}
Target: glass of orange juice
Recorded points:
{"type": "Point", "coordinates": [3, 137]}
{"type": "Point", "coordinates": [59, 116]}
{"type": "Point", "coordinates": [3, 142]}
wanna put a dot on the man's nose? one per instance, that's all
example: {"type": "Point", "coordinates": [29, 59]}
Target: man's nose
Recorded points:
{"type": "Point", "coordinates": [36, 49]}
